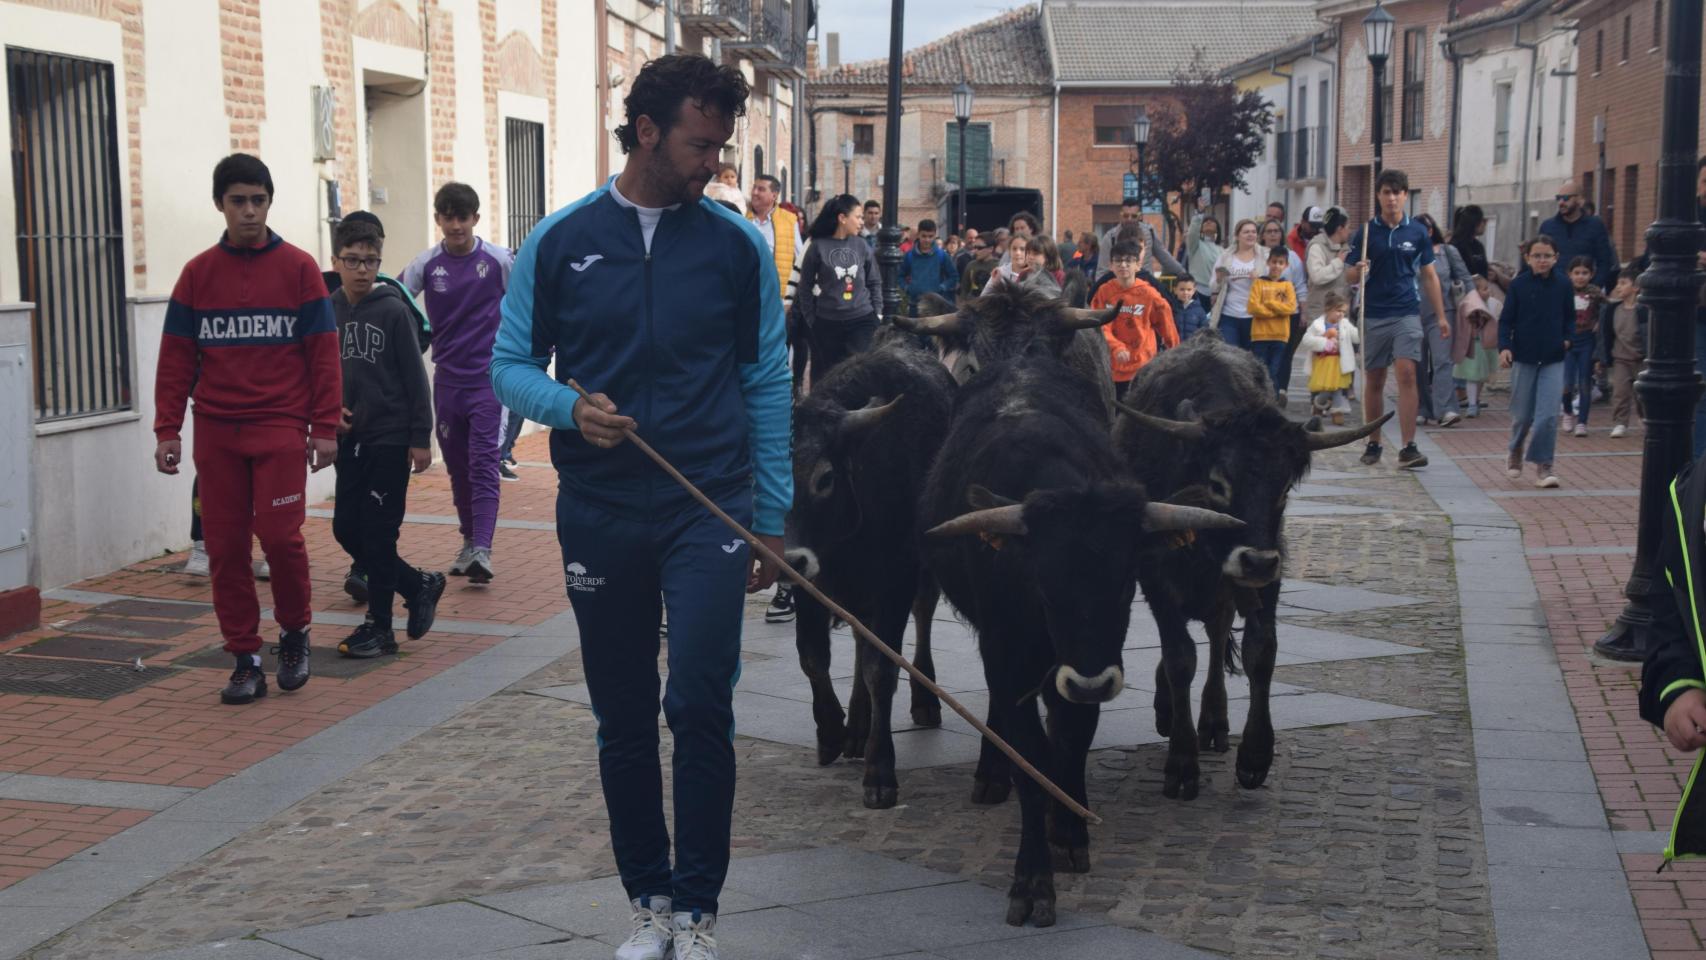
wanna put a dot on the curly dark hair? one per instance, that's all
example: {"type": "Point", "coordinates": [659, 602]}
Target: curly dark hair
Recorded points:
{"type": "Point", "coordinates": [665, 82]}
{"type": "Point", "coordinates": [240, 168]}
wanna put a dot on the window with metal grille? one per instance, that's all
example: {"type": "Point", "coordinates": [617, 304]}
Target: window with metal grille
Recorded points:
{"type": "Point", "coordinates": [66, 189]}
{"type": "Point", "coordinates": [1386, 123]}
{"type": "Point", "coordinates": [865, 139]}
{"type": "Point", "coordinates": [1415, 72]}
{"type": "Point", "coordinates": [978, 152]}
{"type": "Point", "coordinates": [1114, 124]}
{"type": "Point", "coordinates": [1501, 123]}
{"type": "Point", "coordinates": [1598, 51]}
{"type": "Point", "coordinates": [1322, 131]}
{"type": "Point", "coordinates": [1539, 113]}
{"type": "Point", "coordinates": [1658, 23]}
{"type": "Point", "coordinates": [524, 158]}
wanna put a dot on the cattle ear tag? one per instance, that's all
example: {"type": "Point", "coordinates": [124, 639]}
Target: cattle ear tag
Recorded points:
{"type": "Point", "coordinates": [995, 540]}
{"type": "Point", "coordinates": [1182, 539]}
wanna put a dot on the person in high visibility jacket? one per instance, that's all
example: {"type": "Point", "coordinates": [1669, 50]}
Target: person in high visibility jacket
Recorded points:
{"type": "Point", "coordinates": [1673, 679]}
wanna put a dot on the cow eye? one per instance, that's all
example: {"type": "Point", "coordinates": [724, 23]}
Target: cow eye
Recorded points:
{"type": "Point", "coordinates": [823, 480]}
{"type": "Point", "coordinates": [1220, 488]}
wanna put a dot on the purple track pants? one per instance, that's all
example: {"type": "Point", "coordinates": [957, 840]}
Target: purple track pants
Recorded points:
{"type": "Point", "coordinates": [470, 428]}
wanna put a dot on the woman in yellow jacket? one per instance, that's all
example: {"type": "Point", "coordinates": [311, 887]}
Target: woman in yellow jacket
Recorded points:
{"type": "Point", "coordinates": [1272, 303]}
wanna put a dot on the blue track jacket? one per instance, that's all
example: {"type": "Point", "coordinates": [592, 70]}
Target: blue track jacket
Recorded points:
{"type": "Point", "coordinates": [688, 340]}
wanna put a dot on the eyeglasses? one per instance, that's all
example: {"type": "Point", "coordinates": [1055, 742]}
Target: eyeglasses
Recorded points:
{"type": "Point", "coordinates": [360, 263]}
{"type": "Point", "coordinates": [1564, 196]}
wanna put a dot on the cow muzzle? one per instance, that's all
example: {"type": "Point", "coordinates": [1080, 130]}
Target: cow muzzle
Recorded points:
{"type": "Point", "coordinates": [1077, 688]}
{"type": "Point", "coordinates": [1249, 567]}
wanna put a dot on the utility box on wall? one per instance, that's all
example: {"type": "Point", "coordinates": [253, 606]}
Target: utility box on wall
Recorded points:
{"type": "Point", "coordinates": [20, 603]}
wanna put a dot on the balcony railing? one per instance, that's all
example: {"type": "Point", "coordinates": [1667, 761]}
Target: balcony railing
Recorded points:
{"type": "Point", "coordinates": [1283, 154]}
{"type": "Point", "coordinates": [1300, 154]}
{"type": "Point", "coordinates": [771, 44]}
{"type": "Point", "coordinates": [724, 19]}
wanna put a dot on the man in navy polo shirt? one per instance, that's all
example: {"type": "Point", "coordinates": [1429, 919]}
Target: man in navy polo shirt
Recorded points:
{"type": "Point", "coordinates": [1401, 272]}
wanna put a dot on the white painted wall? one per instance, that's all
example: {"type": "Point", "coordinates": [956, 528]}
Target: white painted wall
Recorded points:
{"type": "Point", "coordinates": [1260, 186]}
{"type": "Point", "coordinates": [1497, 187]}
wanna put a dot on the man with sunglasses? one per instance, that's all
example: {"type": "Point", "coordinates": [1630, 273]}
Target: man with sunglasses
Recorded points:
{"type": "Point", "coordinates": [249, 332]}
{"type": "Point", "coordinates": [1581, 234]}
{"type": "Point", "coordinates": [976, 273]}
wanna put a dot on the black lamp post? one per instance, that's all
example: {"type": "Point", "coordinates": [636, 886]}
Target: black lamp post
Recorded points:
{"type": "Point", "coordinates": [1670, 288]}
{"type": "Point", "coordinates": [1377, 33]}
{"type": "Point", "coordinates": [888, 238]}
{"type": "Point", "coordinates": [846, 166]}
{"type": "Point", "coordinates": [1140, 136]}
{"type": "Point", "coordinates": [962, 115]}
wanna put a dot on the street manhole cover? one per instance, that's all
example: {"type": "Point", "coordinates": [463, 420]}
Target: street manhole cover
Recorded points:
{"type": "Point", "coordinates": [73, 678]}
{"type": "Point", "coordinates": [325, 661]}
{"type": "Point", "coordinates": [124, 627]}
{"type": "Point", "coordinates": [158, 609]}
{"type": "Point", "coordinates": [94, 648]}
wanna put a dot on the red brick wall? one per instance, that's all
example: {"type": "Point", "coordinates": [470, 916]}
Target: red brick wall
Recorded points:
{"type": "Point", "coordinates": [491, 206]}
{"type": "Point", "coordinates": [1632, 135]}
{"type": "Point", "coordinates": [337, 56]}
{"type": "Point", "coordinates": [1092, 176]}
{"type": "Point", "coordinates": [1426, 161]}
{"type": "Point", "coordinates": [128, 15]}
{"type": "Point", "coordinates": [443, 80]}
{"type": "Point", "coordinates": [245, 80]}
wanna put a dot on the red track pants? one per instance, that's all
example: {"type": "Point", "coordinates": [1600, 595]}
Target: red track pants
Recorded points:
{"type": "Point", "coordinates": [253, 479]}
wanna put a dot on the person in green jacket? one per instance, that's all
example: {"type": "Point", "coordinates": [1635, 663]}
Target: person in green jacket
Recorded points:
{"type": "Point", "coordinates": [1673, 678]}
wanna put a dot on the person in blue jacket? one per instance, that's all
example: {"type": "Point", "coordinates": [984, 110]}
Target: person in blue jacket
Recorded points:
{"type": "Point", "coordinates": [665, 307]}
{"type": "Point", "coordinates": [1581, 234]}
{"type": "Point", "coordinates": [927, 268]}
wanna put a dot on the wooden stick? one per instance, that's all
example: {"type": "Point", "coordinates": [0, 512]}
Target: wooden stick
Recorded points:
{"type": "Point", "coordinates": [860, 629]}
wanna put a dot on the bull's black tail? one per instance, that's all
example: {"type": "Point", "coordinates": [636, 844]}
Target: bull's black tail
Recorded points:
{"type": "Point", "coordinates": [1234, 660]}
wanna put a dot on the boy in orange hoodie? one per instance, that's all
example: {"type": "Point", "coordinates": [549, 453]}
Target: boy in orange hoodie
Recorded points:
{"type": "Point", "coordinates": [1145, 322]}
{"type": "Point", "coordinates": [1272, 302]}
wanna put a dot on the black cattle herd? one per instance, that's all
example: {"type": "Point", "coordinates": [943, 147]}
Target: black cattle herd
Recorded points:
{"type": "Point", "coordinates": [1016, 485]}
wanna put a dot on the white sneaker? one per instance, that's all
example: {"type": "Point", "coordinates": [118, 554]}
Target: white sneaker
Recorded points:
{"type": "Point", "coordinates": [694, 941]}
{"type": "Point", "coordinates": [1567, 422]}
{"type": "Point", "coordinates": [1450, 420]}
{"type": "Point", "coordinates": [1618, 431]}
{"type": "Point", "coordinates": [653, 931]}
{"type": "Point", "coordinates": [1581, 429]}
{"type": "Point", "coordinates": [263, 570]}
{"type": "Point", "coordinates": [480, 568]}
{"type": "Point", "coordinates": [464, 557]}
{"type": "Point", "coordinates": [196, 565]}
{"type": "Point", "coordinates": [1547, 481]}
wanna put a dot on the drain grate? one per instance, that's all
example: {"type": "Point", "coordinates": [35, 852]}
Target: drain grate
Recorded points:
{"type": "Point", "coordinates": [158, 609]}
{"type": "Point", "coordinates": [94, 648]}
{"type": "Point", "coordinates": [73, 678]}
{"type": "Point", "coordinates": [325, 661]}
{"type": "Point", "coordinates": [131, 629]}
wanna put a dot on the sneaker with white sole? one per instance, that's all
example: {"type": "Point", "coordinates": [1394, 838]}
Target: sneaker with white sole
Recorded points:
{"type": "Point", "coordinates": [1618, 431]}
{"type": "Point", "coordinates": [464, 557]}
{"type": "Point", "coordinates": [1547, 480]}
{"type": "Point", "coordinates": [695, 936]}
{"type": "Point", "coordinates": [1513, 466]}
{"type": "Point", "coordinates": [263, 570]}
{"type": "Point", "coordinates": [1567, 423]}
{"type": "Point", "coordinates": [480, 568]}
{"type": "Point", "coordinates": [196, 565]}
{"type": "Point", "coordinates": [654, 931]}
{"type": "Point", "coordinates": [1581, 429]}
{"type": "Point", "coordinates": [781, 609]}
{"type": "Point", "coordinates": [1451, 419]}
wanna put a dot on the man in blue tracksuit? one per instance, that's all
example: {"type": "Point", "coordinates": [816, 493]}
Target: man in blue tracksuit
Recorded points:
{"type": "Point", "coordinates": [665, 307]}
{"type": "Point", "coordinates": [926, 269]}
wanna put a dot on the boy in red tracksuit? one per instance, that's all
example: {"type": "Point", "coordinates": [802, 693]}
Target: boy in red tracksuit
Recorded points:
{"type": "Point", "coordinates": [1145, 324]}
{"type": "Point", "coordinates": [250, 331]}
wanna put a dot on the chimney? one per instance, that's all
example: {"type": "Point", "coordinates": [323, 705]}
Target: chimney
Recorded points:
{"type": "Point", "coordinates": [834, 50]}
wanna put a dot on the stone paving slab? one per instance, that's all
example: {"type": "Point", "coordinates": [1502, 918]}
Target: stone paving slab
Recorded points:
{"type": "Point", "coordinates": [450, 931]}
{"type": "Point", "coordinates": [98, 793]}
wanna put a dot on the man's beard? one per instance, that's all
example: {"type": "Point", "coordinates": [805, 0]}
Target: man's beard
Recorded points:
{"type": "Point", "coordinates": [672, 187]}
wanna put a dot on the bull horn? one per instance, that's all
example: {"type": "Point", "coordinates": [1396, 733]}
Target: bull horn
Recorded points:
{"type": "Point", "coordinates": [1081, 318]}
{"type": "Point", "coordinates": [980, 497]}
{"type": "Point", "coordinates": [1158, 517]}
{"type": "Point", "coordinates": [1338, 438]}
{"type": "Point", "coordinates": [1008, 520]}
{"type": "Point", "coordinates": [868, 416]}
{"type": "Point", "coordinates": [935, 325]}
{"type": "Point", "coordinates": [1183, 429]}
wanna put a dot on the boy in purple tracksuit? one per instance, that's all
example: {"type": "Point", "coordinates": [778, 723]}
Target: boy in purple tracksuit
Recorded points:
{"type": "Point", "coordinates": [462, 282]}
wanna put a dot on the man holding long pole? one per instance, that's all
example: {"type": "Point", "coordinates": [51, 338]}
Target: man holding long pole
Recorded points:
{"type": "Point", "coordinates": [1400, 265]}
{"type": "Point", "coordinates": [667, 307]}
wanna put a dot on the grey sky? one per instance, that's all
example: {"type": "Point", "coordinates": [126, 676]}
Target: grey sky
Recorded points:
{"type": "Point", "coordinates": [864, 24]}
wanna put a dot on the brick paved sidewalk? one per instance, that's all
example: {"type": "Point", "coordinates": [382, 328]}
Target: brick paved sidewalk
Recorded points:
{"type": "Point", "coordinates": [1580, 542]}
{"type": "Point", "coordinates": [166, 734]}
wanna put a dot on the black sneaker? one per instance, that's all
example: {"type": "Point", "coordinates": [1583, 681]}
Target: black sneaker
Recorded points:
{"type": "Point", "coordinates": [425, 607]}
{"type": "Point", "coordinates": [1410, 458]}
{"type": "Point", "coordinates": [368, 641]}
{"type": "Point", "coordinates": [355, 584]}
{"type": "Point", "coordinates": [781, 609]}
{"type": "Point", "coordinates": [292, 653]}
{"type": "Point", "coordinates": [248, 682]}
{"type": "Point", "coordinates": [1623, 646]}
{"type": "Point", "coordinates": [1371, 454]}
{"type": "Point", "coordinates": [508, 460]}
{"type": "Point", "coordinates": [505, 473]}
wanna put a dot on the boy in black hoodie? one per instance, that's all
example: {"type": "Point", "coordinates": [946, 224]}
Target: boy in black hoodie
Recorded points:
{"type": "Point", "coordinates": [386, 431]}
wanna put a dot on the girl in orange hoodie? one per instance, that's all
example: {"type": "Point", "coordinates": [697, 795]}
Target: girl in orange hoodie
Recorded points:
{"type": "Point", "coordinates": [1145, 322]}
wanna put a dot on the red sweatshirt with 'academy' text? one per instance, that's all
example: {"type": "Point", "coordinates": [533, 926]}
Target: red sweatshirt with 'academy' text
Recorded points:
{"type": "Point", "coordinates": [250, 331]}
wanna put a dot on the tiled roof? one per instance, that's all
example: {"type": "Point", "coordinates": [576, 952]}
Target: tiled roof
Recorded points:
{"type": "Point", "coordinates": [1007, 51]}
{"type": "Point", "coordinates": [1509, 9]}
{"type": "Point", "coordinates": [1149, 42]}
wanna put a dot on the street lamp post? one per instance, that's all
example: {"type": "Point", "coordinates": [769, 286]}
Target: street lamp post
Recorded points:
{"type": "Point", "coordinates": [1377, 33]}
{"type": "Point", "coordinates": [1670, 288]}
{"type": "Point", "coordinates": [888, 238]}
{"type": "Point", "coordinates": [847, 166]}
{"type": "Point", "coordinates": [962, 115]}
{"type": "Point", "coordinates": [1140, 136]}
